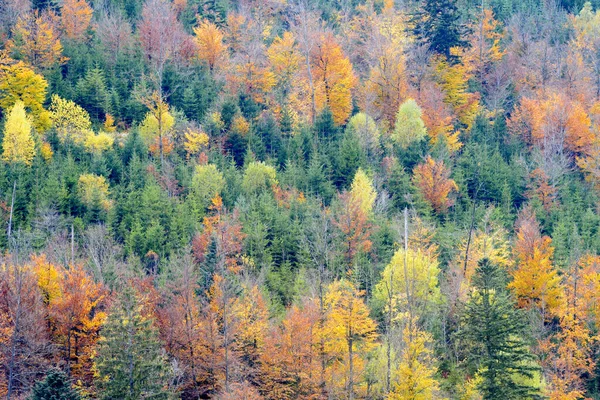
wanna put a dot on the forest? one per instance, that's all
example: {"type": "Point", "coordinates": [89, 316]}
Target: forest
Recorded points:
{"type": "Point", "coordinates": [300, 199]}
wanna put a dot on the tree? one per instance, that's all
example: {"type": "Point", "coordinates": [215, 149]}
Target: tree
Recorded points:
{"type": "Point", "coordinates": [285, 59]}
{"type": "Point", "coordinates": [333, 78]}
{"type": "Point", "coordinates": [495, 329]}
{"type": "Point", "coordinates": [75, 18]}
{"type": "Point", "coordinates": [289, 366]}
{"type": "Point", "coordinates": [24, 345]}
{"type": "Point", "coordinates": [163, 39]}
{"type": "Point", "coordinates": [355, 227]}
{"type": "Point", "coordinates": [432, 179]}
{"type": "Point", "coordinates": [156, 127]}
{"type": "Point", "coordinates": [409, 126]}
{"type": "Point", "coordinates": [349, 334]}
{"type": "Point", "coordinates": [70, 120]}
{"type": "Point", "coordinates": [364, 128]}
{"type": "Point", "coordinates": [535, 281]}
{"type": "Point", "coordinates": [17, 143]}
{"type": "Point", "coordinates": [207, 183]}
{"type": "Point", "coordinates": [362, 192]}
{"type": "Point", "coordinates": [209, 42]}
{"type": "Point", "coordinates": [130, 361]}
{"type": "Point", "coordinates": [56, 386]}
{"type": "Point", "coordinates": [94, 189]}
{"type": "Point", "coordinates": [258, 177]}
{"type": "Point", "coordinates": [416, 370]}
{"type": "Point", "coordinates": [20, 83]}
{"type": "Point", "coordinates": [438, 26]}
{"type": "Point", "coordinates": [76, 317]}
{"type": "Point", "coordinates": [36, 40]}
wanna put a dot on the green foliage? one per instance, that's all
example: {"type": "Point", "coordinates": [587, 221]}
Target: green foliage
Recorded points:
{"type": "Point", "coordinates": [409, 126]}
{"type": "Point", "coordinates": [130, 360]}
{"type": "Point", "coordinates": [56, 386]}
{"type": "Point", "coordinates": [494, 330]}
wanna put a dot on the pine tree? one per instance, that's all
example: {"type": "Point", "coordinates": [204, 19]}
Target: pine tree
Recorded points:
{"type": "Point", "coordinates": [56, 386]}
{"type": "Point", "coordinates": [495, 328]}
{"type": "Point", "coordinates": [131, 363]}
{"type": "Point", "coordinates": [438, 25]}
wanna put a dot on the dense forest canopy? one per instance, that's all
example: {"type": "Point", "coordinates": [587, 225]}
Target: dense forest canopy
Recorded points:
{"type": "Point", "coordinates": [300, 199]}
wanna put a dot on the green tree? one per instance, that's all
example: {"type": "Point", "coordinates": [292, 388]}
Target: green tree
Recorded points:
{"type": "Point", "coordinates": [130, 362]}
{"type": "Point", "coordinates": [494, 328]}
{"type": "Point", "coordinates": [438, 25]}
{"type": "Point", "coordinates": [409, 127]}
{"type": "Point", "coordinates": [56, 386]}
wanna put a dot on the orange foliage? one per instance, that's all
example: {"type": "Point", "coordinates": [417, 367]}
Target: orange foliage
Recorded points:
{"type": "Point", "coordinates": [333, 78]}
{"type": "Point", "coordinates": [432, 178]}
{"type": "Point", "coordinates": [535, 281]}
{"type": "Point", "coordinates": [550, 118]}
{"type": "Point", "coordinates": [36, 40]}
{"type": "Point", "coordinates": [75, 18]}
{"type": "Point", "coordinates": [354, 224]}
{"type": "Point", "coordinates": [289, 364]}
{"type": "Point", "coordinates": [209, 41]}
{"type": "Point", "coordinates": [227, 233]}
{"type": "Point", "coordinates": [541, 188]}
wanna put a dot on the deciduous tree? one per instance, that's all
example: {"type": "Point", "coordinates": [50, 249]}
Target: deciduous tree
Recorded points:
{"type": "Point", "coordinates": [17, 144]}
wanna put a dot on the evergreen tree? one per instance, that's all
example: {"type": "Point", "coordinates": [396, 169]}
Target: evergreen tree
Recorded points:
{"type": "Point", "coordinates": [495, 329]}
{"type": "Point", "coordinates": [130, 360]}
{"type": "Point", "coordinates": [56, 386]}
{"type": "Point", "coordinates": [438, 25]}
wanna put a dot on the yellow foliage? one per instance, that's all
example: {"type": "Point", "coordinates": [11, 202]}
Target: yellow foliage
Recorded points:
{"type": "Point", "coordinates": [409, 127]}
{"type": "Point", "coordinates": [48, 278]}
{"type": "Point", "coordinates": [109, 123]}
{"type": "Point", "coordinates": [349, 334]}
{"type": "Point", "coordinates": [150, 128]}
{"type": "Point", "coordinates": [363, 192]}
{"type": "Point", "coordinates": [18, 144]}
{"type": "Point", "coordinates": [194, 141]}
{"type": "Point", "coordinates": [454, 80]}
{"type": "Point", "coordinates": [240, 125]}
{"type": "Point", "coordinates": [284, 58]}
{"type": "Point", "coordinates": [20, 83]}
{"type": "Point", "coordinates": [70, 120]}
{"type": "Point", "coordinates": [415, 373]}
{"type": "Point", "coordinates": [410, 276]}
{"type": "Point", "coordinates": [46, 151]}
{"type": "Point", "coordinates": [92, 188]}
{"type": "Point", "coordinates": [98, 143]}
{"type": "Point", "coordinates": [209, 40]}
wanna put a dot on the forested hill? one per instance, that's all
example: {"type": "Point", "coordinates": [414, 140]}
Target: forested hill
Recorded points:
{"type": "Point", "coordinates": [299, 199]}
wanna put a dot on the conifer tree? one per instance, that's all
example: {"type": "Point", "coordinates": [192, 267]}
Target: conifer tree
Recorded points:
{"type": "Point", "coordinates": [438, 25]}
{"type": "Point", "coordinates": [56, 386]}
{"type": "Point", "coordinates": [495, 328]}
{"type": "Point", "coordinates": [130, 362]}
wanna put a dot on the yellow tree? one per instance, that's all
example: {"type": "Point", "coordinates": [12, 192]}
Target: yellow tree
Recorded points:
{"type": "Point", "coordinates": [156, 127]}
{"type": "Point", "coordinates": [454, 81]}
{"type": "Point", "coordinates": [36, 40]}
{"type": "Point", "coordinates": [209, 41]}
{"type": "Point", "coordinates": [387, 81]}
{"type": "Point", "coordinates": [349, 334]}
{"type": "Point", "coordinates": [363, 192]}
{"type": "Point", "coordinates": [535, 281]}
{"type": "Point", "coordinates": [416, 371]}
{"type": "Point", "coordinates": [70, 120]}
{"type": "Point", "coordinates": [195, 140]}
{"type": "Point", "coordinates": [285, 58]}
{"type": "Point", "coordinates": [93, 188]}
{"type": "Point", "coordinates": [333, 78]}
{"type": "Point", "coordinates": [75, 16]}
{"type": "Point", "coordinates": [17, 143]}
{"type": "Point", "coordinates": [20, 83]}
